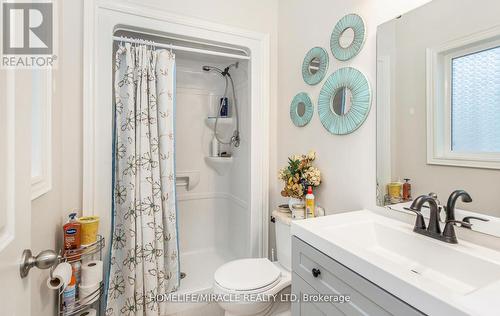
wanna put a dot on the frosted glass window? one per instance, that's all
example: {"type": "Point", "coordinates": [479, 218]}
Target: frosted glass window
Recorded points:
{"type": "Point", "coordinates": [475, 102]}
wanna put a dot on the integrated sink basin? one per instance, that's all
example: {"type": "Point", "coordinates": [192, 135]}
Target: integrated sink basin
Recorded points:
{"type": "Point", "coordinates": [435, 277]}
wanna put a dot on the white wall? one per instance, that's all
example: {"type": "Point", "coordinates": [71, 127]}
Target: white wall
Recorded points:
{"type": "Point", "coordinates": [347, 162]}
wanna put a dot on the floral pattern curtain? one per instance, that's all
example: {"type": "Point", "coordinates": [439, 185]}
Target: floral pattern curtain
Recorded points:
{"type": "Point", "coordinates": [144, 250]}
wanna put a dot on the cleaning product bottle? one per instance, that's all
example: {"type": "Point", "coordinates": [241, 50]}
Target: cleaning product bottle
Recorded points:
{"type": "Point", "coordinates": [69, 295]}
{"type": "Point", "coordinates": [72, 232]}
{"type": "Point", "coordinates": [310, 212]}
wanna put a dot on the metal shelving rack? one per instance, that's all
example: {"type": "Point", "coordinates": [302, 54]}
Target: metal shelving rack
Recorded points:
{"type": "Point", "coordinates": [84, 253]}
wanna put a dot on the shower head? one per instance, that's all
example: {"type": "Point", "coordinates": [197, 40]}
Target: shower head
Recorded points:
{"type": "Point", "coordinates": [211, 68]}
{"type": "Point", "coordinates": [220, 71]}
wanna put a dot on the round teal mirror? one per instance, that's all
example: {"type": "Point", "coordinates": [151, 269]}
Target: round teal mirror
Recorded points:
{"type": "Point", "coordinates": [348, 37]}
{"type": "Point", "coordinates": [344, 101]}
{"type": "Point", "coordinates": [315, 65]}
{"type": "Point", "coordinates": [301, 109]}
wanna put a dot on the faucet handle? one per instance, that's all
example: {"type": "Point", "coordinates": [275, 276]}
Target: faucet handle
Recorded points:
{"type": "Point", "coordinates": [468, 218]}
{"type": "Point", "coordinates": [419, 222]}
{"type": "Point", "coordinates": [465, 224]}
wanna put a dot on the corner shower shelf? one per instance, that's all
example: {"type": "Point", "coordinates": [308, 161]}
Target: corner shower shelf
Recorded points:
{"type": "Point", "coordinates": [220, 164]}
{"type": "Point", "coordinates": [225, 123]}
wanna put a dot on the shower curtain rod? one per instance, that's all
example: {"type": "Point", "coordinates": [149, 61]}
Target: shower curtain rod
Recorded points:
{"type": "Point", "coordinates": [176, 47]}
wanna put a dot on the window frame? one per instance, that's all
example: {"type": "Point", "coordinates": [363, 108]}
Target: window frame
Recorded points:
{"type": "Point", "coordinates": [439, 96]}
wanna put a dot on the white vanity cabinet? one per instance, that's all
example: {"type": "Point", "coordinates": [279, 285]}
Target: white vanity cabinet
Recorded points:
{"type": "Point", "coordinates": [365, 298]}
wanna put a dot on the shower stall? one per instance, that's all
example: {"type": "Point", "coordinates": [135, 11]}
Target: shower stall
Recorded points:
{"type": "Point", "coordinates": [212, 158]}
{"type": "Point", "coordinates": [221, 197]}
{"type": "Point", "coordinates": [214, 216]}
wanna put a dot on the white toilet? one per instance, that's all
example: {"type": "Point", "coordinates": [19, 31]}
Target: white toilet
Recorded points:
{"type": "Point", "coordinates": [256, 286]}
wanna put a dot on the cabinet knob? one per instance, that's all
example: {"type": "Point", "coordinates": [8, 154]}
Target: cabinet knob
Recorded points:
{"type": "Point", "coordinates": [316, 272]}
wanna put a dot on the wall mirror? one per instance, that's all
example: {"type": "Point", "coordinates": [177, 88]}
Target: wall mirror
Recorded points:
{"type": "Point", "coordinates": [344, 101]}
{"type": "Point", "coordinates": [315, 65]}
{"type": "Point", "coordinates": [438, 107]}
{"type": "Point", "coordinates": [348, 37]}
{"type": "Point", "coordinates": [301, 109]}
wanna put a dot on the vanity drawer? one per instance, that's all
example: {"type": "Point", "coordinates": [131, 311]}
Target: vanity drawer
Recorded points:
{"type": "Point", "coordinates": [301, 288]}
{"type": "Point", "coordinates": [366, 298]}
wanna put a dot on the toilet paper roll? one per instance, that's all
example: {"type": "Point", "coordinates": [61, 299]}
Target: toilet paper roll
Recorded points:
{"type": "Point", "coordinates": [86, 293]}
{"type": "Point", "coordinates": [88, 312]}
{"type": "Point", "coordinates": [91, 272]}
{"type": "Point", "coordinates": [61, 276]}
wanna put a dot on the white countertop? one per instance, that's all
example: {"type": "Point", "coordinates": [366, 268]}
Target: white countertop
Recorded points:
{"type": "Point", "coordinates": [456, 279]}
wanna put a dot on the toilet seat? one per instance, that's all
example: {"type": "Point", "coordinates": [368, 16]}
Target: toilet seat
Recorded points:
{"type": "Point", "coordinates": [248, 275]}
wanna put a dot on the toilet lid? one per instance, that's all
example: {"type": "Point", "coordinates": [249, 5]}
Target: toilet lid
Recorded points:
{"type": "Point", "coordinates": [247, 274]}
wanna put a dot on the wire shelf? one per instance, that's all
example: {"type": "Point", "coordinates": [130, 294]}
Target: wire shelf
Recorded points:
{"type": "Point", "coordinates": [82, 303]}
{"type": "Point", "coordinates": [84, 253]}
{"type": "Point", "coordinates": [74, 255]}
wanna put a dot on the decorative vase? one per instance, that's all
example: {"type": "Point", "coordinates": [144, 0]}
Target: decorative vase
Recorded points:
{"type": "Point", "coordinates": [292, 201]}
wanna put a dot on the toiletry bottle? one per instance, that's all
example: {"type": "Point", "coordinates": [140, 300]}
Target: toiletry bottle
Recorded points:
{"type": "Point", "coordinates": [407, 190]}
{"type": "Point", "coordinates": [224, 107]}
{"type": "Point", "coordinates": [298, 211]}
{"type": "Point", "coordinates": [214, 147]}
{"type": "Point", "coordinates": [310, 203]}
{"type": "Point", "coordinates": [76, 267]}
{"type": "Point", "coordinates": [72, 231]}
{"type": "Point", "coordinates": [69, 295]}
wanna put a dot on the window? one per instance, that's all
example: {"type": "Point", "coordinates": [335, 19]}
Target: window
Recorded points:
{"type": "Point", "coordinates": [463, 102]}
{"type": "Point", "coordinates": [475, 102]}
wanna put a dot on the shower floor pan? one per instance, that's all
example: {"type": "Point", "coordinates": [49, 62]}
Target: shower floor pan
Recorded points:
{"type": "Point", "coordinates": [199, 267]}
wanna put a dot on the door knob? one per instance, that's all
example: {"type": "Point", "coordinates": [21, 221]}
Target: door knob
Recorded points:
{"type": "Point", "coordinates": [44, 260]}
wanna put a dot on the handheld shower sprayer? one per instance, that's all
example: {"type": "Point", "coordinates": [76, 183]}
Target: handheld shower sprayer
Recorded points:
{"type": "Point", "coordinates": [235, 138]}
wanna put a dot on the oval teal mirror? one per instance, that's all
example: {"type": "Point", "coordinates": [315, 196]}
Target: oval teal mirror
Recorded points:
{"type": "Point", "coordinates": [315, 65]}
{"type": "Point", "coordinates": [344, 101]}
{"type": "Point", "coordinates": [301, 109]}
{"type": "Point", "coordinates": [348, 37]}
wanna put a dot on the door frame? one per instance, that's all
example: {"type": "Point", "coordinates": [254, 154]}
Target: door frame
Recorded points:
{"type": "Point", "coordinates": [9, 207]}
{"type": "Point", "coordinates": [96, 157]}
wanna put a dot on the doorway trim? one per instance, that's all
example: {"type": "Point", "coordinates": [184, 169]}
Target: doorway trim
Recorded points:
{"type": "Point", "coordinates": [99, 15]}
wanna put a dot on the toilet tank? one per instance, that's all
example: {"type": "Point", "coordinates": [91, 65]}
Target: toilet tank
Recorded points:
{"type": "Point", "coordinates": [284, 241]}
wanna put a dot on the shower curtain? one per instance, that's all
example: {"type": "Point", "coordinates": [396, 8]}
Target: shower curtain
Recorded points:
{"type": "Point", "coordinates": [144, 251]}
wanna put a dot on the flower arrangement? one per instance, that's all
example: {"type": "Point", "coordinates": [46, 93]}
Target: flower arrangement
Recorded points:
{"type": "Point", "coordinates": [299, 174]}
